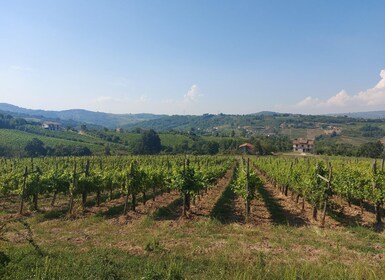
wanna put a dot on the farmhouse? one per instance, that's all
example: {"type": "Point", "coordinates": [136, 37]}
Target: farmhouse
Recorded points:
{"type": "Point", "coordinates": [303, 145]}
{"type": "Point", "coordinates": [51, 125]}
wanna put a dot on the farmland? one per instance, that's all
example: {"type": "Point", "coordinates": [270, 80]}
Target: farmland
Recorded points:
{"type": "Point", "coordinates": [16, 140]}
{"type": "Point", "coordinates": [105, 237]}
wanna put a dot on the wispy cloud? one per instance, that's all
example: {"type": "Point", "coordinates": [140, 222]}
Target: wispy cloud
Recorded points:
{"type": "Point", "coordinates": [193, 94]}
{"type": "Point", "coordinates": [188, 103]}
{"type": "Point", "coordinates": [369, 99]}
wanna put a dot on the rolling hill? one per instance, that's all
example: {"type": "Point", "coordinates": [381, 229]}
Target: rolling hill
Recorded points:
{"type": "Point", "coordinates": [364, 115]}
{"type": "Point", "coordinates": [79, 116]}
{"type": "Point", "coordinates": [347, 127]}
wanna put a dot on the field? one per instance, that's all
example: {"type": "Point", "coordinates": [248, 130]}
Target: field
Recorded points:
{"type": "Point", "coordinates": [16, 140]}
{"type": "Point", "coordinates": [213, 241]}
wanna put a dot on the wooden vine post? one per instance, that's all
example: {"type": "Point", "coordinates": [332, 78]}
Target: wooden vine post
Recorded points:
{"type": "Point", "coordinates": [25, 176]}
{"type": "Point", "coordinates": [98, 193]}
{"type": "Point", "coordinates": [169, 167]}
{"type": "Point", "coordinates": [55, 192]}
{"type": "Point", "coordinates": [84, 193]}
{"type": "Point", "coordinates": [377, 206]}
{"type": "Point", "coordinates": [286, 190]}
{"type": "Point", "coordinates": [24, 188]}
{"type": "Point", "coordinates": [134, 186]}
{"type": "Point", "coordinates": [186, 193]}
{"type": "Point", "coordinates": [248, 191]}
{"type": "Point", "coordinates": [129, 186]}
{"type": "Point", "coordinates": [72, 189]}
{"type": "Point", "coordinates": [329, 182]}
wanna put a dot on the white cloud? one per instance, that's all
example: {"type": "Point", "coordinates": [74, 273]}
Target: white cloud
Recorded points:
{"type": "Point", "coordinates": [340, 99]}
{"type": "Point", "coordinates": [308, 101]}
{"type": "Point", "coordinates": [369, 99]}
{"type": "Point", "coordinates": [144, 103]}
{"type": "Point", "coordinates": [193, 94]}
{"type": "Point", "coordinates": [381, 83]}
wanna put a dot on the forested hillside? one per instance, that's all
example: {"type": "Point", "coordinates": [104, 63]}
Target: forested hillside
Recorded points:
{"type": "Point", "coordinates": [208, 133]}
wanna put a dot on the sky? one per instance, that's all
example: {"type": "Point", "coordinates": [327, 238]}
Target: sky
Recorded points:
{"type": "Point", "coordinates": [193, 56]}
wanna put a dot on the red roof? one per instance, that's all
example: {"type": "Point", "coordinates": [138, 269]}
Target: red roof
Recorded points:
{"type": "Point", "coordinates": [246, 145]}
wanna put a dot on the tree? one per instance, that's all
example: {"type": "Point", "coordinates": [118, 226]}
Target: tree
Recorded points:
{"type": "Point", "coordinates": [35, 148]}
{"type": "Point", "coordinates": [182, 148]}
{"type": "Point", "coordinates": [149, 143]}
{"type": "Point", "coordinates": [81, 151]}
{"type": "Point", "coordinates": [137, 130]}
{"type": "Point", "coordinates": [3, 151]}
{"type": "Point", "coordinates": [371, 149]}
{"type": "Point", "coordinates": [372, 131]}
{"type": "Point", "coordinates": [212, 147]}
{"type": "Point", "coordinates": [62, 150]}
{"type": "Point", "coordinates": [107, 150]}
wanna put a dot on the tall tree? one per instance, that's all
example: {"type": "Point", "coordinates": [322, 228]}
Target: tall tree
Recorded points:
{"type": "Point", "coordinates": [149, 143]}
{"type": "Point", "coordinates": [35, 148]}
{"type": "Point", "coordinates": [3, 151]}
{"type": "Point", "coordinates": [371, 149]}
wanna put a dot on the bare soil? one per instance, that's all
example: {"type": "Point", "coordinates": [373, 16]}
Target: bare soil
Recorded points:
{"type": "Point", "coordinates": [292, 211]}
{"type": "Point", "coordinates": [205, 202]}
{"type": "Point", "coordinates": [353, 214]}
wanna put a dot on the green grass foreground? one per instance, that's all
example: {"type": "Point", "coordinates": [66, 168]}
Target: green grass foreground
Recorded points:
{"type": "Point", "coordinates": [96, 247]}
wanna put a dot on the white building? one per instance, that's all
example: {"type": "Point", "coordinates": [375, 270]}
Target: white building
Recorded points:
{"type": "Point", "coordinates": [51, 125]}
{"type": "Point", "coordinates": [303, 145]}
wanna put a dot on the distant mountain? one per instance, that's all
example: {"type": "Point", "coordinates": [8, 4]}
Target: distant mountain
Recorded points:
{"type": "Point", "coordinates": [363, 115]}
{"type": "Point", "coordinates": [267, 113]}
{"type": "Point", "coordinates": [79, 115]}
{"type": "Point", "coordinates": [265, 121]}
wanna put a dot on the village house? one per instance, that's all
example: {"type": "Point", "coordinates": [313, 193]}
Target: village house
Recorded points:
{"type": "Point", "coordinates": [303, 145]}
{"type": "Point", "coordinates": [51, 125]}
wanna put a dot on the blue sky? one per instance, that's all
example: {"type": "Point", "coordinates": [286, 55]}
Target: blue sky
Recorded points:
{"type": "Point", "coordinates": [193, 57]}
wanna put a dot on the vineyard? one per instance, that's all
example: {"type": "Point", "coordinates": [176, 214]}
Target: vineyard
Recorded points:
{"type": "Point", "coordinates": [319, 181]}
{"type": "Point", "coordinates": [176, 217]}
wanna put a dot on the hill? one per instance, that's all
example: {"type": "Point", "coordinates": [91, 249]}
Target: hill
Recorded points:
{"type": "Point", "coordinates": [333, 133]}
{"type": "Point", "coordinates": [79, 116]}
{"type": "Point", "coordinates": [364, 115]}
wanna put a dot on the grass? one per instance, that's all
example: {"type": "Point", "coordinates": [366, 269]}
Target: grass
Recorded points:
{"type": "Point", "coordinates": [48, 245]}
{"type": "Point", "coordinates": [150, 248]}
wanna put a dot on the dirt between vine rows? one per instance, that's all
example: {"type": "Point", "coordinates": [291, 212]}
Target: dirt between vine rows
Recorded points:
{"type": "Point", "coordinates": [161, 200]}
{"type": "Point", "coordinates": [352, 215]}
{"type": "Point", "coordinates": [291, 211]}
{"type": "Point", "coordinates": [339, 213]}
{"type": "Point", "coordinates": [259, 213]}
{"type": "Point", "coordinates": [205, 202]}
{"type": "Point", "coordinates": [113, 209]}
